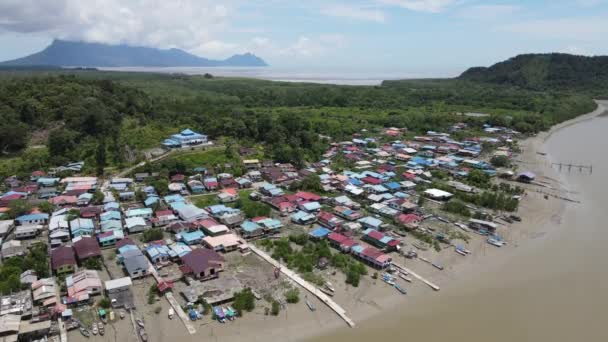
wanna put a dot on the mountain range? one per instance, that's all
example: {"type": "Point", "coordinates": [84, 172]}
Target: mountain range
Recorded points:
{"type": "Point", "coordinates": [83, 54]}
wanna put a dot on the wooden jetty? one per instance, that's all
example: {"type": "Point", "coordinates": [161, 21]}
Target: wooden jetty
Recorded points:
{"type": "Point", "coordinates": [417, 276]}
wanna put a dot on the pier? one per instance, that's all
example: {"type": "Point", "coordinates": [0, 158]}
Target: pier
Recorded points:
{"type": "Point", "coordinates": [180, 313]}
{"type": "Point", "coordinates": [417, 276]}
{"type": "Point", "coordinates": [570, 166]}
{"type": "Point", "coordinates": [306, 285]}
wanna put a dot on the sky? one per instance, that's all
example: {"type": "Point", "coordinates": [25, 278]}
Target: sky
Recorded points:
{"type": "Point", "coordinates": [417, 35]}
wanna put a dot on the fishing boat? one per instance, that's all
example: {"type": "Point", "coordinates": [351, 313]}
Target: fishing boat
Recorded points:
{"type": "Point", "coordinates": [171, 313]}
{"type": "Point", "coordinates": [122, 314]}
{"type": "Point", "coordinates": [310, 305]}
{"type": "Point", "coordinates": [326, 291]}
{"type": "Point", "coordinates": [387, 278]}
{"type": "Point", "coordinates": [400, 289]}
{"type": "Point", "coordinates": [229, 314]}
{"type": "Point", "coordinates": [94, 328]}
{"type": "Point", "coordinates": [330, 287]}
{"type": "Point", "coordinates": [460, 251]}
{"type": "Point", "coordinates": [420, 245]}
{"type": "Point", "coordinates": [411, 254]}
{"type": "Point", "coordinates": [140, 323]}
{"type": "Point", "coordinates": [219, 314]}
{"type": "Point", "coordinates": [437, 266]}
{"type": "Point", "coordinates": [495, 242]}
{"type": "Point", "coordinates": [143, 335]}
{"type": "Point", "coordinates": [111, 316]}
{"type": "Point", "coordinates": [85, 332]}
{"type": "Point", "coordinates": [424, 259]}
{"type": "Point", "coordinates": [102, 329]}
{"type": "Point", "coordinates": [404, 277]}
{"type": "Point", "coordinates": [233, 311]}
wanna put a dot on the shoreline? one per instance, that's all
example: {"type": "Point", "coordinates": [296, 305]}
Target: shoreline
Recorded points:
{"type": "Point", "coordinates": [539, 216]}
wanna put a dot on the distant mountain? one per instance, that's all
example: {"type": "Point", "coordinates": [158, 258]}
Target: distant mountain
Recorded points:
{"type": "Point", "coordinates": [82, 54]}
{"type": "Point", "coordinates": [555, 71]}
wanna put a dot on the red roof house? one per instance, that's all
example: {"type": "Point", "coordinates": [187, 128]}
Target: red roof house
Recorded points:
{"type": "Point", "coordinates": [202, 263]}
{"type": "Point", "coordinates": [86, 247]}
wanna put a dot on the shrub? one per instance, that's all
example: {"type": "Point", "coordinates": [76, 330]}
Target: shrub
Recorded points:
{"type": "Point", "coordinates": [152, 235]}
{"type": "Point", "coordinates": [244, 300]}
{"type": "Point", "coordinates": [157, 310]}
{"type": "Point", "coordinates": [104, 303]}
{"type": "Point", "coordinates": [275, 308]}
{"type": "Point", "coordinates": [292, 296]}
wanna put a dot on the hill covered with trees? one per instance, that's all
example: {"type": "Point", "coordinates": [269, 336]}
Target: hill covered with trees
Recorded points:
{"type": "Point", "coordinates": [555, 71]}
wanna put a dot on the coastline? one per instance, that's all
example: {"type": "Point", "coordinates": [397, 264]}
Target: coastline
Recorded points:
{"type": "Point", "coordinates": [540, 217]}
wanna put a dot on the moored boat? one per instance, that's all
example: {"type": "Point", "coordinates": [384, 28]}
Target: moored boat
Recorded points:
{"type": "Point", "coordinates": [140, 323]}
{"type": "Point", "coordinates": [85, 332]}
{"type": "Point", "coordinates": [400, 289]}
{"type": "Point", "coordinates": [495, 242]}
{"type": "Point", "coordinates": [122, 314]}
{"type": "Point", "coordinates": [437, 266]}
{"type": "Point", "coordinates": [330, 287]}
{"type": "Point", "coordinates": [404, 277]}
{"type": "Point", "coordinates": [219, 314]}
{"type": "Point", "coordinates": [171, 313]}
{"type": "Point", "coordinates": [143, 335]}
{"type": "Point", "coordinates": [460, 251]}
{"type": "Point", "coordinates": [102, 329]}
{"type": "Point", "coordinates": [94, 328]}
{"type": "Point", "coordinates": [326, 291]}
{"type": "Point", "coordinates": [310, 305]}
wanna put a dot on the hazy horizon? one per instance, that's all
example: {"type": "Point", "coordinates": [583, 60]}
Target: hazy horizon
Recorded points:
{"type": "Point", "coordinates": [415, 35]}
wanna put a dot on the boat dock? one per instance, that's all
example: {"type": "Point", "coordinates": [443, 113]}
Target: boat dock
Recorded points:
{"type": "Point", "coordinates": [180, 313]}
{"type": "Point", "coordinates": [306, 285]}
{"type": "Point", "coordinates": [417, 276]}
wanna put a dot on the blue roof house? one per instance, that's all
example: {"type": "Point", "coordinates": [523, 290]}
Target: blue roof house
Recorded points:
{"type": "Point", "coordinates": [81, 226]}
{"type": "Point", "coordinates": [32, 219]}
{"type": "Point", "coordinates": [319, 233]}
{"type": "Point", "coordinates": [184, 138]}
{"type": "Point", "coordinates": [191, 238]}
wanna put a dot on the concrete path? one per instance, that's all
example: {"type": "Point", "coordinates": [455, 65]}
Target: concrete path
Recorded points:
{"type": "Point", "coordinates": [306, 285]}
{"type": "Point", "coordinates": [415, 275]}
{"type": "Point", "coordinates": [180, 313]}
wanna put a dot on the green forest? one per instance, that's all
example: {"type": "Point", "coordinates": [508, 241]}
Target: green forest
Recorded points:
{"type": "Point", "coordinates": [107, 119]}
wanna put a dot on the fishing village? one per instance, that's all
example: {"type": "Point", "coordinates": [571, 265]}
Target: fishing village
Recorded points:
{"type": "Point", "coordinates": [165, 246]}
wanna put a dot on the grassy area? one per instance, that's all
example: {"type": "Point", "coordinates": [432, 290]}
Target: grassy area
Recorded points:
{"type": "Point", "coordinates": [203, 201]}
{"type": "Point", "coordinates": [204, 158]}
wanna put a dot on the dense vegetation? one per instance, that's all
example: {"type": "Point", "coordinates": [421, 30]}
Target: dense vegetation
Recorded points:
{"type": "Point", "coordinates": [50, 117]}
{"type": "Point", "coordinates": [37, 259]}
{"type": "Point", "coordinates": [555, 71]}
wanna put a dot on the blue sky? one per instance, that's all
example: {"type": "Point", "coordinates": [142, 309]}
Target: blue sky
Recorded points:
{"type": "Point", "coordinates": [417, 35]}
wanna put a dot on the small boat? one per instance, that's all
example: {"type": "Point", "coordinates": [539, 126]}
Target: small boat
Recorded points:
{"type": "Point", "coordinates": [233, 311]}
{"type": "Point", "coordinates": [460, 251]}
{"type": "Point", "coordinates": [400, 289]}
{"type": "Point", "coordinates": [424, 259]}
{"type": "Point", "coordinates": [421, 246]}
{"type": "Point", "coordinates": [437, 266]}
{"type": "Point", "coordinates": [219, 314]}
{"type": "Point", "coordinates": [495, 242]}
{"type": "Point", "coordinates": [387, 278]}
{"type": "Point", "coordinates": [111, 315]}
{"type": "Point", "coordinates": [330, 287]}
{"type": "Point", "coordinates": [171, 313]}
{"type": "Point", "coordinates": [310, 305]}
{"type": "Point", "coordinates": [94, 328]}
{"type": "Point", "coordinates": [102, 329]}
{"type": "Point", "coordinates": [326, 291]}
{"type": "Point", "coordinates": [192, 314]}
{"type": "Point", "coordinates": [140, 323]}
{"type": "Point", "coordinates": [143, 335]}
{"type": "Point", "coordinates": [122, 314]}
{"type": "Point", "coordinates": [229, 314]}
{"type": "Point", "coordinates": [411, 254]}
{"type": "Point", "coordinates": [404, 277]}
{"type": "Point", "coordinates": [85, 332]}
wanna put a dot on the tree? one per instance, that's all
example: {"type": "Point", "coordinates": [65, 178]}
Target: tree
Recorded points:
{"type": "Point", "coordinates": [93, 264]}
{"type": "Point", "coordinates": [152, 234]}
{"type": "Point", "coordinates": [244, 301]}
{"type": "Point", "coordinates": [292, 296]}
{"type": "Point", "coordinates": [100, 157]}
{"type": "Point", "coordinates": [46, 207]}
{"type": "Point", "coordinates": [19, 207]}
{"type": "Point", "coordinates": [104, 303]}
{"type": "Point", "coordinates": [98, 197]}
{"type": "Point", "coordinates": [312, 183]}
{"type": "Point", "coordinates": [500, 161]}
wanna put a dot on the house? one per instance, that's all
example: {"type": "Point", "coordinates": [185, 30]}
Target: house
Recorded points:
{"type": "Point", "coordinates": [191, 238]}
{"type": "Point", "coordinates": [309, 207]}
{"type": "Point", "coordinates": [84, 199]}
{"type": "Point", "coordinates": [410, 221]}
{"type": "Point", "coordinates": [438, 195]}
{"type": "Point", "coordinates": [151, 201]}
{"type": "Point", "coordinates": [228, 195]}
{"type": "Point", "coordinates": [341, 242]}
{"type": "Point", "coordinates": [319, 233]}
{"type": "Point", "coordinates": [13, 248]}
{"type": "Point", "coordinates": [109, 238]}
{"type": "Point", "coordinates": [119, 292]}
{"type": "Point", "coordinates": [190, 213]}
{"type": "Point", "coordinates": [269, 225]}
{"type": "Point", "coordinates": [329, 220]}
{"type": "Point", "coordinates": [232, 218]}
{"type": "Point", "coordinates": [244, 183]}
{"type": "Point", "coordinates": [85, 248]}
{"type": "Point", "coordinates": [63, 260]}
{"type": "Point", "coordinates": [283, 205]}
{"type": "Point", "coordinates": [81, 286]}
{"type": "Point", "coordinates": [302, 217]}
{"type": "Point", "coordinates": [111, 206]}
{"type": "Point", "coordinates": [224, 243]}
{"type": "Point", "coordinates": [211, 183]}
{"type": "Point", "coordinates": [371, 256]}
{"type": "Point", "coordinates": [110, 225]}
{"type": "Point", "coordinates": [347, 213]}
{"type": "Point", "coordinates": [91, 211]}
{"type": "Point", "coordinates": [196, 186]}
{"type": "Point", "coordinates": [163, 218]}
{"type": "Point", "coordinates": [371, 222]}
{"type": "Point", "coordinates": [250, 229]}
{"type": "Point", "coordinates": [82, 227]}
{"type": "Point", "coordinates": [135, 224]}
{"type": "Point", "coordinates": [135, 263]}
{"type": "Point", "coordinates": [380, 240]}
{"type": "Point", "coordinates": [215, 229]}
{"type": "Point", "coordinates": [158, 253]}
{"type": "Point", "coordinates": [44, 292]}
{"type": "Point", "coordinates": [46, 193]}
{"type": "Point", "coordinates": [252, 164]}
{"type": "Point", "coordinates": [179, 227]}
{"type": "Point", "coordinates": [33, 219]}
{"type": "Point", "coordinates": [110, 216]}
{"type": "Point", "coordinates": [202, 264]}
{"type": "Point", "coordinates": [185, 138]}
{"type": "Point", "coordinates": [63, 200]}
{"type": "Point", "coordinates": [271, 190]}
{"type": "Point", "coordinates": [27, 231]}
{"type": "Point", "coordinates": [307, 196]}
{"type": "Point", "coordinates": [6, 227]}
{"type": "Point", "coordinates": [145, 213]}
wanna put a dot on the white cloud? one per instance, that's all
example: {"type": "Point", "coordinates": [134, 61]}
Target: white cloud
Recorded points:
{"type": "Point", "coordinates": [188, 24]}
{"type": "Point", "coordinates": [488, 12]}
{"type": "Point", "coordinates": [316, 46]}
{"type": "Point", "coordinates": [574, 29]}
{"type": "Point", "coordinates": [576, 50]}
{"type": "Point", "coordinates": [431, 6]}
{"type": "Point", "coordinates": [354, 12]}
